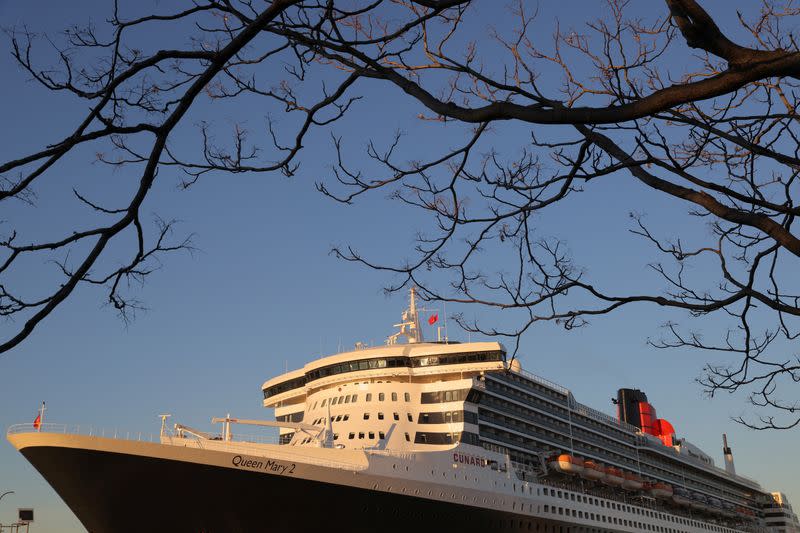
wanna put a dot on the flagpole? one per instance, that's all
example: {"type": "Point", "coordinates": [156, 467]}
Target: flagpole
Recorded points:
{"type": "Point", "coordinates": [41, 417]}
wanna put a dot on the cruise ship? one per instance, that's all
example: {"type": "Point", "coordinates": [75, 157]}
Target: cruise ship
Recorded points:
{"type": "Point", "coordinates": [407, 436]}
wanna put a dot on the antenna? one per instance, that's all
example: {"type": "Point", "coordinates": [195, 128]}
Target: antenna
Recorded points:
{"type": "Point", "coordinates": [409, 327]}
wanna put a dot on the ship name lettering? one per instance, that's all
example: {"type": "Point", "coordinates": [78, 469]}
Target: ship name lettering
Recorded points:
{"type": "Point", "coordinates": [243, 462]}
{"type": "Point", "coordinates": [467, 459]}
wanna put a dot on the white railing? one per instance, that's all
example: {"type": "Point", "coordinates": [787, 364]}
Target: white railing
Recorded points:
{"type": "Point", "coordinates": [600, 416]}
{"type": "Point", "coordinates": [116, 433]}
{"type": "Point", "coordinates": [542, 381]}
{"type": "Point", "coordinates": [87, 430]}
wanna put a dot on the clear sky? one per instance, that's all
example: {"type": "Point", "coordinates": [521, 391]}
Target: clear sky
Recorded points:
{"type": "Point", "coordinates": [264, 294]}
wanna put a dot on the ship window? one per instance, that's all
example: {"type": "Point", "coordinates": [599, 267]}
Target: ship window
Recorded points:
{"type": "Point", "coordinates": [363, 365]}
{"type": "Point", "coordinates": [381, 435]}
{"type": "Point", "coordinates": [394, 396]}
{"type": "Point", "coordinates": [347, 399]}
{"type": "Point", "coordinates": [380, 416]}
{"type": "Point", "coordinates": [408, 438]}
{"type": "Point", "coordinates": [410, 418]}
{"type": "Point", "coordinates": [371, 435]}
{"type": "Point", "coordinates": [324, 402]}
{"type": "Point", "coordinates": [369, 396]}
{"type": "Point", "coordinates": [407, 397]}
{"type": "Point", "coordinates": [346, 417]}
{"type": "Point", "coordinates": [333, 401]}
{"type": "Point", "coordinates": [341, 398]}
{"type": "Point", "coordinates": [396, 416]}
{"type": "Point", "coordinates": [355, 397]}
{"type": "Point", "coordinates": [366, 416]}
{"type": "Point", "coordinates": [351, 436]}
{"type": "Point", "coordinates": [335, 436]}
{"type": "Point", "coordinates": [338, 418]}
{"type": "Point", "coordinates": [381, 396]}
{"type": "Point", "coordinates": [360, 434]}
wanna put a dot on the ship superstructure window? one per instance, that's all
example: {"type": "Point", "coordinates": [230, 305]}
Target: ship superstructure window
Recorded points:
{"type": "Point", "coordinates": [446, 438]}
{"type": "Point", "coordinates": [407, 396]}
{"type": "Point", "coordinates": [369, 396]}
{"type": "Point", "coordinates": [381, 435]}
{"type": "Point", "coordinates": [396, 416]}
{"type": "Point", "coordinates": [351, 436]}
{"type": "Point", "coordinates": [390, 362]}
{"type": "Point", "coordinates": [394, 396]}
{"type": "Point", "coordinates": [381, 396]}
{"type": "Point", "coordinates": [371, 435]}
{"type": "Point", "coordinates": [380, 416]}
{"type": "Point", "coordinates": [408, 438]}
{"type": "Point", "coordinates": [366, 416]}
{"type": "Point", "coordinates": [410, 418]}
{"type": "Point", "coordinates": [285, 386]}
{"type": "Point", "coordinates": [445, 396]}
{"type": "Point", "coordinates": [447, 417]}
{"type": "Point", "coordinates": [293, 417]}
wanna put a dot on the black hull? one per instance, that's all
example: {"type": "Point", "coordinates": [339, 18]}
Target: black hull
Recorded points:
{"type": "Point", "coordinates": [119, 493]}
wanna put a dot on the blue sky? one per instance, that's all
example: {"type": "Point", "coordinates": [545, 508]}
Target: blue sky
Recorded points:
{"type": "Point", "coordinates": [263, 292]}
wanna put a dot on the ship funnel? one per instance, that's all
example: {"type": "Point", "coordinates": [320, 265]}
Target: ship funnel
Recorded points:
{"type": "Point", "coordinates": [729, 466]}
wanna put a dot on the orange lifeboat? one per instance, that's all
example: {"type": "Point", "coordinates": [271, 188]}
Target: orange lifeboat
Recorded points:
{"type": "Point", "coordinates": [593, 471]}
{"type": "Point", "coordinates": [614, 476]}
{"type": "Point", "coordinates": [566, 464]}
{"type": "Point", "coordinates": [659, 490]}
{"type": "Point", "coordinates": [631, 481]}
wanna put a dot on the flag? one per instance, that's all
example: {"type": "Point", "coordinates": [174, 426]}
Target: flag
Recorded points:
{"type": "Point", "coordinates": [433, 318]}
{"type": "Point", "coordinates": [38, 422]}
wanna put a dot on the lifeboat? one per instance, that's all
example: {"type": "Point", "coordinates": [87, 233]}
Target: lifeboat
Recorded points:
{"type": "Point", "coordinates": [659, 490]}
{"type": "Point", "coordinates": [698, 502]}
{"type": "Point", "coordinates": [566, 464]}
{"type": "Point", "coordinates": [715, 506]}
{"type": "Point", "coordinates": [614, 476]}
{"type": "Point", "coordinates": [631, 481]}
{"type": "Point", "coordinates": [681, 496]}
{"type": "Point", "coordinates": [593, 471]}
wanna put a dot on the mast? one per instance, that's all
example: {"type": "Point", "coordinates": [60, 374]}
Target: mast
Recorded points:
{"type": "Point", "coordinates": [409, 327]}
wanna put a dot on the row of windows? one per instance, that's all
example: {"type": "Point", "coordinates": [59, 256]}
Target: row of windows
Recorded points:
{"type": "Point", "coordinates": [446, 438]}
{"type": "Point", "coordinates": [292, 417]}
{"type": "Point", "coordinates": [337, 418]}
{"type": "Point", "coordinates": [448, 417]}
{"type": "Point", "coordinates": [387, 362]}
{"type": "Point", "coordinates": [442, 396]}
{"type": "Point", "coordinates": [582, 498]}
{"type": "Point", "coordinates": [354, 398]}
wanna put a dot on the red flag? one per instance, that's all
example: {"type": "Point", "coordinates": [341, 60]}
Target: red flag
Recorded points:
{"type": "Point", "coordinates": [433, 318]}
{"type": "Point", "coordinates": [38, 422]}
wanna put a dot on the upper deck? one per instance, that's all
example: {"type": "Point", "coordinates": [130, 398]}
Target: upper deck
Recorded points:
{"type": "Point", "coordinates": [418, 359]}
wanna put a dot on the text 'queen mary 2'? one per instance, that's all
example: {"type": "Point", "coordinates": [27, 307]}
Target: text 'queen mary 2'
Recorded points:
{"type": "Point", "coordinates": [409, 437]}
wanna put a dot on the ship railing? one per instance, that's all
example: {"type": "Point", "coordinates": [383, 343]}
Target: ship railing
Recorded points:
{"type": "Point", "coordinates": [87, 430]}
{"type": "Point", "coordinates": [542, 381]}
{"type": "Point", "coordinates": [93, 431]}
{"type": "Point", "coordinates": [600, 416]}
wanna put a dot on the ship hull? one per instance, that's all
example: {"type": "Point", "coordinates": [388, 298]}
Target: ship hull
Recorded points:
{"type": "Point", "coordinates": [120, 493]}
